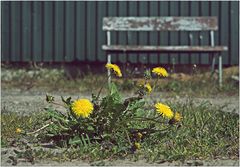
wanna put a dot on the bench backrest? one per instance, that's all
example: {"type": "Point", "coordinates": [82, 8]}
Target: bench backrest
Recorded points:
{"type": "Point", "coordinates": [160, 23]}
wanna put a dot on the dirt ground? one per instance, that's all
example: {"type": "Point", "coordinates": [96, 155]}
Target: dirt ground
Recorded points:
{"type": "Point", "coordinates": [34, 101]}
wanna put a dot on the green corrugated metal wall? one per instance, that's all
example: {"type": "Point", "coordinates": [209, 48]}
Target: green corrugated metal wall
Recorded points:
{"type": "Point", "coordinates": [66, 31]}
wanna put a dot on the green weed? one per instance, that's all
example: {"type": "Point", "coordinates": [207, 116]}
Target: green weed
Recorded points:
{"type": "Point", "coordinates": [206, 132]}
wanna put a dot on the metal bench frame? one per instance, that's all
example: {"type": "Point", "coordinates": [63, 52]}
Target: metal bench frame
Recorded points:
{"type": "Point", "coordinates": [163, 24]}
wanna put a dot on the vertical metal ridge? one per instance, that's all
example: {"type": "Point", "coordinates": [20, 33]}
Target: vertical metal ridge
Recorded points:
{"type": "Point", "coordinates": [210, 14]}
{"type": "Point", "coordinates": [10, 31]}
{"type": "Point", "coordinates": [85, 34]}
{"type": "Point", "coordinates": [179, 37]}
{"type": "Point", "coordinates": [158, 39]}
{"type": "Point", "coordinates": [169, 14]}
{"type": "Point", "coordinates": [64, 31]}
{"type": "Point", "coordinates": [148, 33]}
{"type": "Point", "coordinates": [75, 31]}
{"type": "Point", "coordinates": [229, 32]}
{"type": "Point", "coordinates": [117, 33]}
{"type": "Point", "coordinates": [21, 33]}
{"type": "Point", "coordinates": [42, 32]}
{"type": "Point", "coordinates": [189, 13]}
{"type": "Point", "coordinates": [138, 34]}
{"type": "Point", "coordinates": [31, 32]}
{"type": "Point", "coordinates": [220, 22]}
{"type": "Point", "coordinates": [53, 34]}
{"type": "Point", "coordinates": [127, 58]}
{"type": "Point", "coordinates": [96, 32]}
{"type": "Point", "coordinates": [199, 33]}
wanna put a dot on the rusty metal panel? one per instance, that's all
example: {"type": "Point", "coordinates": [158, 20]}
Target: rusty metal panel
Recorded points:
{"type": "Point", "coordinates": [159, 23]}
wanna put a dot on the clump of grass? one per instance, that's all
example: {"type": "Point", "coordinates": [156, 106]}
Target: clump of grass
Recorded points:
{"type": "Point", "coordinates": [10, 121]}
{"type": "Point", "coordinates": [199, 84]}
{"type": "Point", "coordinates": [199, 87]}
{"type": "Point", "coordinates": [206, 132]}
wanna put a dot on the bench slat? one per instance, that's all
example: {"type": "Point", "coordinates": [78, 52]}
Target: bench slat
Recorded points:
{"type": "Point", "coordinates": [139, 48]}
{"type": "Point", "coordinates": [160, 23]}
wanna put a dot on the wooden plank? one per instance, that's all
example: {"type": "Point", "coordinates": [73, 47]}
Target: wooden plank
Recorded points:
{"type": "Point", "coordinates": [26, 31]}
{"type": "Point", "coordinates": [5, 31]}
{"type": "Point", "coordinates": [159, 23]}
{"type": "Point", "coordinates": [143, 48]}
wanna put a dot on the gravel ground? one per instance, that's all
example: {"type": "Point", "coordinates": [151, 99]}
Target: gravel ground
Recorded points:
{"type": "Point", "coordinates": [29, 102]}
{"type": "Point", "coordinates": [5, 152]}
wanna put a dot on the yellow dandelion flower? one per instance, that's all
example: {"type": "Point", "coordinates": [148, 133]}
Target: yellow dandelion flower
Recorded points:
{"type": "Point", "coordinates": [148, 88]}
{"type": "Point", "coordinates": [115, 68]}
{"type": "Point", "coordinates": [137, 145]}
{"type": "Point", "coordinates": [82, 108]}
{"type": "Point", "coordinates": [160, 71]}
{"type": "Point", "coordinates": [18, 130]}
{"type": "Point", "coordinates": [164, 110]}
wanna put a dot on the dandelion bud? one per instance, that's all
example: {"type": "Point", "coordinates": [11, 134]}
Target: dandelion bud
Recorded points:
{"type": "Point", "coordinates": [18, 130]}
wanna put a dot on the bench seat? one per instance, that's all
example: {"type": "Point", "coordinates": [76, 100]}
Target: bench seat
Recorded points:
{"type": "Point", "coordinates": [145, 48]}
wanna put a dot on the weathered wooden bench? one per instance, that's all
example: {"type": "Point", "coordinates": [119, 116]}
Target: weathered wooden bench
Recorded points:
{"type": "Point", "coordinates": [164, 24]}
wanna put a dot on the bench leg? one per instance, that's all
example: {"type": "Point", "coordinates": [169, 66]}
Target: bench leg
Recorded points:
{"type": "Point", "coordinates": [109, 71]}
{"type": "Point", "coordinates": [220, 70]}
{"type": "Point", "coordinates": [213, 64]}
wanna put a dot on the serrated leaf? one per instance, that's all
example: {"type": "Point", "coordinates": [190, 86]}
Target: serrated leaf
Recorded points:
{"type": "Point", "coordinates": [136, 104]}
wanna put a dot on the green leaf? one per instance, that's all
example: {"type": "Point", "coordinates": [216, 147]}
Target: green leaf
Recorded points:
{"type": "Point", "coordinates": [84, 141]}
{"type": "Point", "coordinates": [57, 115]}
{"type": "Point", "coordinates": [67, 101]}
{"type": "Point", "coordinates": [90, 128]}
{"type": "Point", "coordinates": [75, 141]}
{"type": "Point", "coordinates": [115, 93]}
{"type": "Point", "coordinates": [136, 104]}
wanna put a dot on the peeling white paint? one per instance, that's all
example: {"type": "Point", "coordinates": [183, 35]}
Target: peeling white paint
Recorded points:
{"type": "Point", "coordinates": [159, 23]}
